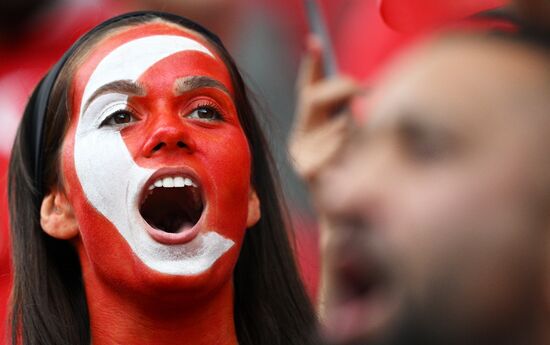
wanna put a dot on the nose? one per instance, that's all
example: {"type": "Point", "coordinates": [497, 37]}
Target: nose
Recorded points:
{"type": "Point", "coordinates": [168, 138]}
{"type": "Point", "coordinates": [362, 184]}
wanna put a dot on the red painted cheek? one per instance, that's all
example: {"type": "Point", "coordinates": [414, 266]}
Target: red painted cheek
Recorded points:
{"type": "Point", "coordinates": [230, 166]}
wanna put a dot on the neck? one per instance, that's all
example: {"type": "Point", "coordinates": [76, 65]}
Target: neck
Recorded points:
{"type": "Point", "coordinates": [117, 317]}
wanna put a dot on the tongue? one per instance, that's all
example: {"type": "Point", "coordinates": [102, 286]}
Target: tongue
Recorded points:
{"type": "Point", "coordinates": [172, 223]}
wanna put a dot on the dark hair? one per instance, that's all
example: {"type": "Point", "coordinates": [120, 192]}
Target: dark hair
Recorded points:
{"type": "Point", "coordinates": [48, 301]}
{"type": "Point", "coordinates": [516, 28]}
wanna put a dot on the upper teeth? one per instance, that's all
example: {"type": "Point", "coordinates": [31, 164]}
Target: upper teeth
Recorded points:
{"type": "Point", "coordinates": [170, 182]}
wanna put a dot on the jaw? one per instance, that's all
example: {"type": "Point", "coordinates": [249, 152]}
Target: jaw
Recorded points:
{"type": "Point", "coordinates": [363, 301]}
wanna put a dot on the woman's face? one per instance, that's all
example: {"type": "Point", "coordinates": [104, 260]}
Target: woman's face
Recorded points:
{"type": "Point", "coordinates": [156, 164]}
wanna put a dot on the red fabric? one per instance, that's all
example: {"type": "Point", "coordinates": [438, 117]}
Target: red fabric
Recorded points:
{"type": "Point", "coordinates": [429, 12]}
{"type": "Point", "coordinates": [370, 32]}
{"type": "Point", "coordinates": [23, 62]}
{"type": "Point", "coordinates": [363, 41]}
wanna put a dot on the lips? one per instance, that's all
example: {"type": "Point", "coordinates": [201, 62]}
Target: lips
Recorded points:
{"type": "Point", "coordinates": [358, 279]}
{"type": "Point", "coordinates": [363, 299]}
{"type": "Point", "coordinates": [172, 204]}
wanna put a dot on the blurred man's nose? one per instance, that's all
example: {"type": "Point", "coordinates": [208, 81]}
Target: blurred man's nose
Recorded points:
{"type": "Point", "coordinates": [360, 185]}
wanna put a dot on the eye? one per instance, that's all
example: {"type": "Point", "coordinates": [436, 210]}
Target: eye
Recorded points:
{"type": "Point", "coordinates": [428, 149]}
{"type": "Point", "coordinates": [425, 142]}
{"type": "Point", "coordinates": [205, 112]}
{"type": "Point", "coordinates": [119, 117]}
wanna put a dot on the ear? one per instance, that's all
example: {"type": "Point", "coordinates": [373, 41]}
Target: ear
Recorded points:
{"type": "Point", "coordinates": [57, 217]}
{"type": "Point", "coordinates": [254, 212]}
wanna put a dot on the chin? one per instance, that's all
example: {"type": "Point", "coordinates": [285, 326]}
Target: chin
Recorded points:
{"type": "Point", "coordinates": [179, 288]}
{"type": "Point", "coordinates": [107, 259]}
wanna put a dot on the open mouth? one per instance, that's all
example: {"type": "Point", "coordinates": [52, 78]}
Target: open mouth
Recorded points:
{"type": "Point", "coordinates": [172, 204]}
{"type": "Point", "coordinates": [363, 279]}
{"type": "Point", "coordinates": [359, 283]}
{"type": "Point", "coordinates": [362, 301]}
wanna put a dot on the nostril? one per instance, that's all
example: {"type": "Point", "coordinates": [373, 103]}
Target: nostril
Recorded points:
{"type": "Point", "coordinates": [181, 144]}
{"type": "Point", "coordinates": [158, 146]}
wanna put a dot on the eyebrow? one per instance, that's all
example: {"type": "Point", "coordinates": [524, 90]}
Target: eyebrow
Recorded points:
{"type": "Point", "coordinates": [187, 84]}
{"type": "Point", "coordinates": [118, 86]}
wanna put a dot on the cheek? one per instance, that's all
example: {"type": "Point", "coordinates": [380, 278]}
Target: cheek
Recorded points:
{"type": "Point", "coordinates": [465, 222]}
{"type": "Point", "coordinates": [96, 232]}
{"type": "Point", "coordinates": [225, 158]}
{"type": "Point", "coordinates": [226, 155]}
{"type": "Point", "coordinates": [432, 216]}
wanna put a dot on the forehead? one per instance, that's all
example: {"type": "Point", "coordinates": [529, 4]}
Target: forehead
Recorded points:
{"type": "Point", "coordinates": [126, 54]}
{"type": "Point", "coordinates": [468, 79]}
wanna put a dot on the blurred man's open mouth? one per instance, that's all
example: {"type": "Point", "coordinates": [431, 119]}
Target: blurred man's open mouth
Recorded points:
{"type": "Point", "coordinates": [363, 300]}
{"type": "Point", "coordinates": [359, 283]}
{"type": "Point", "coordinates": [172, 204]}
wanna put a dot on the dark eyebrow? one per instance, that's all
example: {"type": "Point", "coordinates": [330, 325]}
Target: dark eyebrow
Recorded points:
{"type": "Point", "coordinates": [186, 84]}
{"type": "Point", "coordinates": [119, 86]}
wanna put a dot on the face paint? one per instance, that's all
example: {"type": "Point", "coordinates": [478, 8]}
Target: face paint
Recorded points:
{"type": "Point", "coordinates": [118, 166]}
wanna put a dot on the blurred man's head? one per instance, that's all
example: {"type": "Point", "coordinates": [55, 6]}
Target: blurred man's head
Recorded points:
{"type": "Point", "coordinates": [440, 205]}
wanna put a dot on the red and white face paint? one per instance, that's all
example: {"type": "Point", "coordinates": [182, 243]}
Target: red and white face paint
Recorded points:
{"type": "Point", "coordinates": [160, 141]}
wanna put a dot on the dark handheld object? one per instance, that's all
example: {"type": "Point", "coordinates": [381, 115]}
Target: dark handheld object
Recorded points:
{"type": "Point", "coordinates": [318, 27]}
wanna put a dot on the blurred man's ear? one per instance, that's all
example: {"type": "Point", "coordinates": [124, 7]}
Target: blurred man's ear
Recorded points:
{"type": "Point", "coordinates": [57, 217]}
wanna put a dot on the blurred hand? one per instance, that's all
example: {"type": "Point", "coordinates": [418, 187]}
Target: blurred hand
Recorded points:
{"type": "Point", "coordinates": [322, 118]}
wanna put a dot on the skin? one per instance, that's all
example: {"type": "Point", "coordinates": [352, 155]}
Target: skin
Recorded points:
{"type": "Point", "coordinates": [441, 202]}
{"type": "Point", "coordinates": [144, 304]}
{"type": "Point", "coordinates": [318, 132]}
